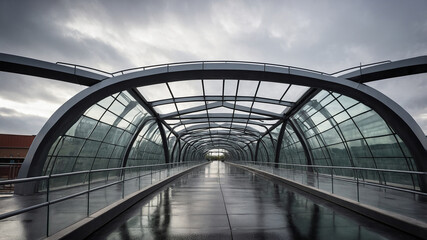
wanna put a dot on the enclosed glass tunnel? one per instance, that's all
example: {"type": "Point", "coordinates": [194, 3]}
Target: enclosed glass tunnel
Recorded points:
{"type": "Point", "coordinates": [251, 111]}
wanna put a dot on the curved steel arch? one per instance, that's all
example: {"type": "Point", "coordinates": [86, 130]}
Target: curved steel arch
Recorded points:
{"type": "Point", "coordinates": [217, 140]}
{"type": "Point", "coordinates": [206, 127]}
{"type": "Point", "coordinates": [67, 114]}
{"type": "Point", "coordinates": [225, 145]}
{"type": "Point", "coordinates": [204, 120]}
{"type": "Point", "coordinates": [195, 133]}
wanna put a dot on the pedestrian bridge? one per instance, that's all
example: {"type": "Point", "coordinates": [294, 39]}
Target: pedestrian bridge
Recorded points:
{"type": "Point", "coordinates": [304, 155]}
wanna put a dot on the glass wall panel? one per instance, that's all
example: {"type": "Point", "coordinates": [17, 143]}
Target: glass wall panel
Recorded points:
{"type": "Point", "coordinates": [267, 149]}
{"type": "Point", "coordinates": [148, 147]}
{"type": "Point", "coordinates": [99, 138]}
{"type": "Point", "coordinates": [291, 149]}
{"type": "Point", "coordinates": [341, 131]}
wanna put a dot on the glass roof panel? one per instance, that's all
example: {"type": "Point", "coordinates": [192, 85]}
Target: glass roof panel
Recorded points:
{"type": "Point", "coordinates": [230, 87]}
{"type": "Point", "coordinates": [247, 88]}
{"type": "Point", "coordinates": [241, 113]}
{"type": "Point", "coordinates": [155, 92]}
{"type": "Point", "coordinates": [186, 88]}
{"type": "Point", "coordinates": [272, 90]}
{"type": "Point", "coordinates": [165, 109]}
{"type": "Point", "coordinates": [264, 127]}
{"type": "Point", "coordinates": [239, 124]}
{"type": "Point", "coordinates": [179, 128]}
{"type": "Point", "coordinates": [213, 87]}
{"type": "Point", "coordinates": [258, 128]}
{"type": "Point", "coordinates": [269, 107]}
{"type": "Point", "coordinates": [244, 104]}
{"type": "Point", "coordinates": [294, 93]}
{"type": "Point", "coordinates": [187, 105]}
{"type": "Point", "coordinates": [172, 121]}
{"type": "Point", "coordinates": [220, 110]}
{"type": "Point", "coordinates": [224, 124]}
{"type": "Point", "coordinates": [266, 122]}
{"type": "Point", "coordinates": [193, 124]}
{"type": "Point", "coordinates": [195, 113]}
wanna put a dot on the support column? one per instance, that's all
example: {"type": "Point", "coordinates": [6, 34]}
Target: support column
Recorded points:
{"type": "Point", "coordinates": [164, 140]}
{"type": "Point", "coordinates": [279, 144]}
{"type": "Point", "coordinates": [303, 142]}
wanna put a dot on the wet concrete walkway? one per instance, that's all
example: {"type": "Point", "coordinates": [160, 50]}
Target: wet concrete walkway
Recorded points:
{"type": "Point", "coordinates": [219, 201]}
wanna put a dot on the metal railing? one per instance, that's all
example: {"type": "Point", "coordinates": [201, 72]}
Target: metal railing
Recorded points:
{"type": "Point", "coordinates": [9, 171]}
{"type": "Point", "coordinates": [355, 186]}
{"type": "Point", "coordinates": [167, 65]}
{"type": "Point", "coordinates": [63, 199]}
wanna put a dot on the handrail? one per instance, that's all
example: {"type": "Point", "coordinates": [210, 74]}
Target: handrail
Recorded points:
{"type": "Point", "coordinates": [344, 167]}
{"type": "Point", "coordinates": [124, 71]}
{"type": "Point", "coordinates": [30, 179]}
{"type": "Point", "coordinates": [341, 167]}
{"type": "Point", "coordinates": [361, 66]}
{"type": "Point", "coordinates": [216, 61]}
{"type": "Point", "coordinates": [354, 168]}
{"type": "Point", "coordinates": [84, 67]}
{"type": "Point", "coordinates": [63, 198]}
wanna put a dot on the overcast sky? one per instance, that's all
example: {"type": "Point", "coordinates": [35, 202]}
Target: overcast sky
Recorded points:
{"type": "Point", "coordinates": [112, 35]}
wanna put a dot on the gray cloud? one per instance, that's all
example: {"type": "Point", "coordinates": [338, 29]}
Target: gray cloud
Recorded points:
{"type": "Point", "coordinates": [13, 122]}
{"type": "Point", "coordinates": [113, 35]}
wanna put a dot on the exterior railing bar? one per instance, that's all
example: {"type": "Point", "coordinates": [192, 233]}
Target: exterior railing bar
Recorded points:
{"type": "Point", "coordinates": [49, 202]}
{"type": "Point", "coordinates": [215, 61]}
{"type": "Point", "coordinates": [22, 210]}
{"type": "Point", "coordinates": [357, 181]}
{"type": "Point", "coordinates": [84, 67]}
{"type": "Point", "coordinates": [364, 65]}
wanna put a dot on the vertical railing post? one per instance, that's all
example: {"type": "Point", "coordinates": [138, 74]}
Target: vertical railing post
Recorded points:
{"type": "Point", "coordinates": [123, 182]}
{"type": "Point", "coordinates": [48, 204]}
{"type": "Point", "coordinates": [332, 179]}
{"type": "Point", "coordinates": [139, 178]}
{"type": "Point", "coordinates": [88, 193]}
{"type": "Point", "coordinates": [357, 180]}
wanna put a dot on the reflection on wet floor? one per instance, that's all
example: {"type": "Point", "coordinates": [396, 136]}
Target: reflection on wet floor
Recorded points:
{"type": "Point", "coordinates": [220, 201]}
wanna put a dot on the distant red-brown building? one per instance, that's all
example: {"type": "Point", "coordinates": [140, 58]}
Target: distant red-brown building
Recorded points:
{"type": "Point", "coordinates": [13, 149]}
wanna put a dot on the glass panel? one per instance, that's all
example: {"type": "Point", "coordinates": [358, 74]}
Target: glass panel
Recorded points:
{"type": "Point", "coordinates": [358, 148]}
{"type": "Point", "coordinates": [95, 112]}
{"type": "Point", "coordinates": [188, 105]}
{"type": "Point", "coordinates": [90, 148]}
{"type": "Point", "coordinates": [186, 88]}
{"type": "Point", "coordinates": [247, 88]}
{"type": "Point", "coordinates": [269, 107]}
{"type": "Point", "coordinates": [117, 108]}
{"type": "Point", "coordinates": [100, 131]}
{"type": "Point", "coordinates": [357, 109]}
{"type": "Point", "coordinates": [105, 150]}
{"type": "Point", "coordinates": [230, 87]}
{"type": "Point", "coordinates": [82, 128]}
{"type": "Point", "coordinates": [213, 87]}
{"type": "Point", "coordinates": [70, 146]}
{"type": "Point", "coordinates": [349, 130]}
{"type": "Point", "coordinates": [155, 92]}
{"type": "Point", "coordinates": [294, 93]}
{"type": "Point", "coordinates": [272, 90]}
{"type": "Point", "coordinates": [384, 147]}
{"type": "Point", "coordinates": [371, 124]}
{"type": "Point", "coordinates": [109, 118]}
{"type": "Point", "coordinates": [165, 109]}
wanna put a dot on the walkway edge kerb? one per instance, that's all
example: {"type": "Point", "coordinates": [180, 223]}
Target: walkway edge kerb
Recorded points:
{"type": "Point", "coordinates": [89, 225]}
{"type": "Point", "coordinates": [403, 223]}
